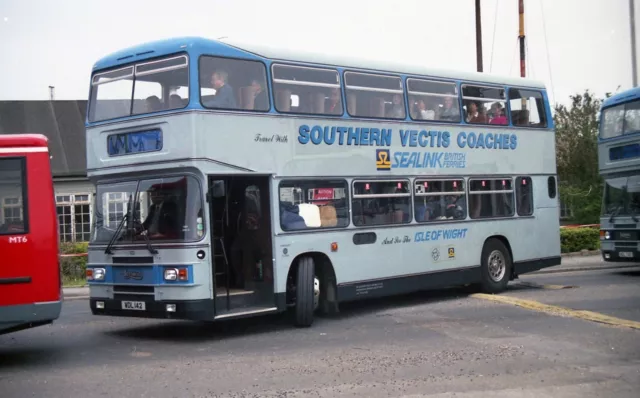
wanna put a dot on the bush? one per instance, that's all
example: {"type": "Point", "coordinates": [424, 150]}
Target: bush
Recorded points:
{"type": "Point", "coordinates": [577, 239]}
{"type": "Point", "coordinates": [73, 268]}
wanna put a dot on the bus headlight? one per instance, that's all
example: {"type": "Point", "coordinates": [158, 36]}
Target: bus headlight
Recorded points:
{"type": "Point", "coordinates": [99, 274]}
{"type": "Point", "coordinates": [605, 235]}
{"type": "Point", "coordinates": [171, 274]}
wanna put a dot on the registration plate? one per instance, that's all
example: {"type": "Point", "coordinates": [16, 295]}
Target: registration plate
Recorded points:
{"type": "Point", "coordinates": [626, 254]}
{"type": "Point", "coordinates": [133, 305]}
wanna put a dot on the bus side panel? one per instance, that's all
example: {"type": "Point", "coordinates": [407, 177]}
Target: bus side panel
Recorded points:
{"type": "Point", "coordinates": [31, 260]}
{"type": "Point", "coordinates": [538, 236]}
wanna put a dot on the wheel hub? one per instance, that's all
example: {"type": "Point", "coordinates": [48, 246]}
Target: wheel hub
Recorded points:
{"type": "Point", "coordinates": [497, 266]}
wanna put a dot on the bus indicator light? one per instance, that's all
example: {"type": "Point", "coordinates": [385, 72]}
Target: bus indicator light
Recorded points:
{"type": "Point", "coordinates": [334, 246]}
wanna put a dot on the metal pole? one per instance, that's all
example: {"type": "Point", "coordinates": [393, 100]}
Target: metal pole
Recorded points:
{"type": "Point", "coordinates": [478, 36]}
{"type": "Point", "coordinates": [632, 22]}
{"type": "Point", "coordinates": [523, 64]}
{"type": "Point", "coordinates": [521, 38]}
{"type": "Point", "coordinates": [51, 93]}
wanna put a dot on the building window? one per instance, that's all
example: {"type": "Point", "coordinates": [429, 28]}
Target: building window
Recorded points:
{"type": "Point", "coordinates": [378, 202]}
{"type": "Point", "coordinates": [74, 217]}
{"type": "Point", "coordinates": [491, 198]}
{"type": "Point", "coordinates": [440, 200]}
{"type": "Point", "coordinates": [524, 196]}
{"type": "Point", "coordinates": [310, 204]}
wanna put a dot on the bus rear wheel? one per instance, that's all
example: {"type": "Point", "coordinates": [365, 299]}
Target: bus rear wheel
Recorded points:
{"type": "Point", "coordinates": [496, 266]}
{"type": "Point", "coordinates": [307, 292]}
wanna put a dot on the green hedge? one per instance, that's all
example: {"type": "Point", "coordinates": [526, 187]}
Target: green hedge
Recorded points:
{"type": "Point", "coordinates": [73, 268]}
{"type": "Point", "coordinates": [577, 239]}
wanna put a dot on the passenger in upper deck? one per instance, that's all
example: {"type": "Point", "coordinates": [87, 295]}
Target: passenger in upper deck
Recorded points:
{"type": "Point", "coordinates": [225, 97]}
{"type": "Point", "coordinates": [475, 113]}
{"type": "Point", "coordinates": [261, 101]}
{"type": "Point", "coordinates": [397, 108]}
{"type": "Point", "coordinates": [449, 111]}
{"type": "Point", "coordinates": [334, 106]}
{"type": "Point", "coordinates": [153, 104]}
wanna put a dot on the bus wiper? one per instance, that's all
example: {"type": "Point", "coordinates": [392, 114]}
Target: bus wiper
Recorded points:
{"type": "Point", "coordinates": [614, 213]}
{"type": "Point", "coordinates": [151, 249]}
{"type": "Point", "coordinates": [116, 234]}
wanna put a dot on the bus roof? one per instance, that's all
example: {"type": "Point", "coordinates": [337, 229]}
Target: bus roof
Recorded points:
{"type": "Point", "coordinates": [622, 97]}
{"type": "Point", "coordinates": [243, 49]}
{"type": "Point", "coordinates": [23, 140]}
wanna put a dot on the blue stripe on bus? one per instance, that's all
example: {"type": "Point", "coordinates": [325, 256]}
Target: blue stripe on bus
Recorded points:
{"type": "Point", "coordinates": [140, 275]}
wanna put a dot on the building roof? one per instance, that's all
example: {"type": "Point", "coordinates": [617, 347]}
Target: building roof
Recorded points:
{"type": "Point", "coordinates": [62, 122]}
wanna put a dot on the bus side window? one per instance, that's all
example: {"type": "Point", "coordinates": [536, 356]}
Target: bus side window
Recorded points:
{"type": "Point", "coordinates": [433, 100]}
{"type": "Point", "coordinates": [527, 108]}
{"type": "Point", "coordinates": [551, 187]}
{"type": "Point", "coordinates": [524, 196]}
{"type": "Point", "coordinates": [437, 200]}
{"type": "Point", "coordinates": [313, 204]}
{"type": "Point", "coordinates": [12, 193]}
{"type": "Point", "coordinates": [376, 96]}
{"type": "Point", "coordinates": [316, 90]}
{"type": "Point", "coordinates": [484, 105]}
{"type": "Point", "coordinates": [381, 202]}
{"type": "Point", "coordinates": [236, 84]}
{"type": "Point", "coordinates": [491, 198]}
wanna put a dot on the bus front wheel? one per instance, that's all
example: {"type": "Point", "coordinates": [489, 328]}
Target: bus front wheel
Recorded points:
{"type": "Point", "coordinates": [307, 292]}
{"type": "Point", "coordinates": [496, 266]}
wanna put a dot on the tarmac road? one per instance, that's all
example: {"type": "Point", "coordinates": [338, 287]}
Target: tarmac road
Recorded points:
{"type": "Point", "coordinates": [436, 344]}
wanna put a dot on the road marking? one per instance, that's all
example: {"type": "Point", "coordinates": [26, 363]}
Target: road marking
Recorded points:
{"type": "Point", "coordinates": [548, 287]}
{"type": "Point", "coordinates": [560, 311]}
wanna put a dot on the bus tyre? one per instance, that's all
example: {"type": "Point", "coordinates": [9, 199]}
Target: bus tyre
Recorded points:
{"type": "Point", "coordinates": [496, 266]}
{"type": "Point", "coordinates": [305, 292]}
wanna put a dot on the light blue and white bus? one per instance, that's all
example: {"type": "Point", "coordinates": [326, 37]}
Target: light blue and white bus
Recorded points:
{"type": "Point", "coordinates": [619, 165]}
{"type": "Point", "coordinates": [234, 179]}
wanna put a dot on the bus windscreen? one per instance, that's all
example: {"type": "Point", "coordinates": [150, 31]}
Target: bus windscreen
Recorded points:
{"type": "Point", "coordinates": [148, 87]}
{"type": "Point", "coordinates": [620, 120]}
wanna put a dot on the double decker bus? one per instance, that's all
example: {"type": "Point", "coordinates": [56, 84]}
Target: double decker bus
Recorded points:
{"type": "Point", "coordinates": [619, 165]}
{"type": "Point", "coordinates": [30, 285]}
{"type": "Point", "coordinates": [235, 180]}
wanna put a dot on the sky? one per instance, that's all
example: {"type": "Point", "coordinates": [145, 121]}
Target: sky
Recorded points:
{"type": "Point", "coordinates": [572, 45]}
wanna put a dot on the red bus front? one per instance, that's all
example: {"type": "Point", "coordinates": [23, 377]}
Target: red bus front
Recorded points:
{"type": "Point", "coordinates": [30, 286]}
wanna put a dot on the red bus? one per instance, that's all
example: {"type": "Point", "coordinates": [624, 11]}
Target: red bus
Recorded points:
{"type": "Point", "coordinates": [30, 285]}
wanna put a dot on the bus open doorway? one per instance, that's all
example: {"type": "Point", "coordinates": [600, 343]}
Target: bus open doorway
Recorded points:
{"type": "Point", "coordinates": [242, 258]}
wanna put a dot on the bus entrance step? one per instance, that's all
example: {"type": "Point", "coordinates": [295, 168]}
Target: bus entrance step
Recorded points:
{"type": "Point", "coordinates": [246, 311]}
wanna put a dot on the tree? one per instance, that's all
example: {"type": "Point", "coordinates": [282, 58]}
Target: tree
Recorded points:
{"type": "Point", "coordinates": [577, 156]}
